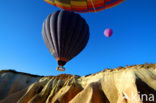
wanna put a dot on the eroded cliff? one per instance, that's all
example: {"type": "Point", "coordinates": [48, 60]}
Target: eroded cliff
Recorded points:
{"type": "Point", "coordinates": [132, 84]}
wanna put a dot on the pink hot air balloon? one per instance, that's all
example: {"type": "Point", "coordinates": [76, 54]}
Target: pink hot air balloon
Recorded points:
{"type": "Point", "coordinates": [108, 32]}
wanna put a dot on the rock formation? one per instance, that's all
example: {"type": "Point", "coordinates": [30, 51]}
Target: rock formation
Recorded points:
{"type": "Point", "coordinates": [132, 84]}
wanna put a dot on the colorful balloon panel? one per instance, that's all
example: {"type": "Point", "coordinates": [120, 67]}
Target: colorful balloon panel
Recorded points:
{"type": "Point", "coordinates": [84, 5]}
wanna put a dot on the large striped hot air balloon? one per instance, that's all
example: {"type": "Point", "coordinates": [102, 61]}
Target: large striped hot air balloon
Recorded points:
{"type": "Point", "coordinates": [65, 35]}
{"type": "Point", "coordinates": [84, 5]}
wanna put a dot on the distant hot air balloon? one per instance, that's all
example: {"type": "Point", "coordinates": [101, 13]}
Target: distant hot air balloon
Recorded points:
{"type": "Point", "coordinates": [65, 35]}
{"type": "Point", "coordinates": [108, 32]}
{"type": "Point", "coordinates": [84, 5]}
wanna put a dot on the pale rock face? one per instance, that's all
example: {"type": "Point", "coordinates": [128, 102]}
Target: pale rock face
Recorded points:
{"type": "Point", "coordinates": [133, 84]}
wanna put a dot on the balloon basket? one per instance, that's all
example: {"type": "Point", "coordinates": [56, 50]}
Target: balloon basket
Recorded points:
{"type": "Point", "coordinates": [60, 68]}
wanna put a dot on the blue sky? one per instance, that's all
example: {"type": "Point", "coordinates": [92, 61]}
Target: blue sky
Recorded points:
{"type": "Point", "coordinates": [133, 42]}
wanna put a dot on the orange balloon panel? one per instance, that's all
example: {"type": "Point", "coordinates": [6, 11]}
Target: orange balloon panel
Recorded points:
{"type": "Point", "coordinates": [84, 5]}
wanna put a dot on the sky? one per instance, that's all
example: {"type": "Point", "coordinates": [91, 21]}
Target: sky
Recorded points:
{"type": "Point", "coordinates": [133, 42]}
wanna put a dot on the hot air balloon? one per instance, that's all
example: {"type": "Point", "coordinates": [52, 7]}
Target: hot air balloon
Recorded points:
{"type": "Point", "coordinates": [65, 34]}
{"type": "Point", "coordinates": [84, 5]}
{"type": "Point", "coordinates": [108, 32]}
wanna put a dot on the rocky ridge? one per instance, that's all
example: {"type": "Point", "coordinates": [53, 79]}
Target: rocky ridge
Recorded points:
{"type": "Point", "coordinates": [132, 84]}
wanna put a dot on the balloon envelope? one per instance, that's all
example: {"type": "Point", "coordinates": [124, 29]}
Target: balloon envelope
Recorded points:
{"type": "Point", "coordinates": [108, 32]}
{"type": "Point", "coordinates": [65, 34]}
{"type": "Point", "coordinates": [84, 5]}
